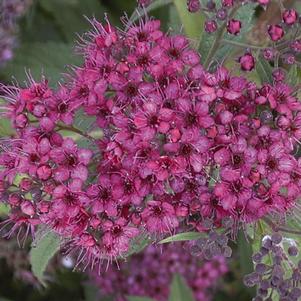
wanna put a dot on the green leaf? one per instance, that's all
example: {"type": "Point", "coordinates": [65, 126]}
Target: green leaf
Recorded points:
{"type": "Point", "coordinates": [182, 237]}
{"type": "Point", "coordinates": [4, 209]}
{"type": "Point", "coordinates": [42, 250]}
{"type": "Point", "coordinates": [264, 71]}
{"type": "Point", "coordinates": [179, 290]}
{"type": "Point", "coordinates": [69, 15]}
{"type": "Point", "coordinates": [294, 76]}
{"type": "Point", "coordinates": [91, 292]}
{"type": "Point", "coordinates": [137, 298]}
{"type": "Point", "coordinates": [138, 244]}
{"type": "Point", "coordinates": [245, 252]}
{"type": "Point", "coordinates": [193, 23]}
{"type": "Point", "coordinates": [48, 58]}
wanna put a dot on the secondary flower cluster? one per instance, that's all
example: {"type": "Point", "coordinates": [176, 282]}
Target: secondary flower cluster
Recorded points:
{"type": "Point", "coordinates": [10, 11]}
{"type": "Point", "coordinates": [276, 274]}
{"type": "Point", "coordinates": [154, 279]}
{"type": "Point", "coordinates": [179, 144]}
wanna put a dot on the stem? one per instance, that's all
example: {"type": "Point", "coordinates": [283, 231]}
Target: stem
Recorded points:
{"type": "Point", "coordinates": [220, 33]}
{"type": "Point", "coordinates": [282, 229]}
{"type": "Point", "coordinates": [75, 130]}
{"type": "Point", "coordinates": [239, 44]}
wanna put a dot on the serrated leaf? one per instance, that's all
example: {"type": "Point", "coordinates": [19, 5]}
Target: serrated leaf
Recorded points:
{"type": "Point", "coordinates": [294, 76]}
{"type": "Point", "coordinates": [48, 58]}
{"type": "Point", "coordinates": [42, 250]}
{"type": "Point", "coordinates": [179, 290]}
{"type": "Point", "coordinates": [137, 298]}
{"type": "Point", "coordinates": [264, 71]}
{"type": "Point", "coordinates": [182, 237]}
{"type": "Point", "coordinates": [193, 23]}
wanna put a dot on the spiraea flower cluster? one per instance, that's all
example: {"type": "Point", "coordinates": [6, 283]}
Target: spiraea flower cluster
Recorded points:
{"type": "Point", "coordinates": [276, 273]}
{"type": "Point", "coordinates": [175, 145]}
{"type": "Point", "coordinates": [154, 279]}
{"type": "Point", "coordinates": [10, 11]}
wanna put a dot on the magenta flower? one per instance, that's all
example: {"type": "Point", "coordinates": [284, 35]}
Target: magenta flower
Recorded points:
{"type": "Point", "coordinates": [71, 161]}
{"type": "Point", "coordinates": [160, 217]}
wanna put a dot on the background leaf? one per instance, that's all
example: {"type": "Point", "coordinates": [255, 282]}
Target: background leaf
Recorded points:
{"type": "Point", "coordinates": [264, 71]}
{"type": "Point", "coordinates": [179, 290]}
{"type": "Point", "coordinates": [68, 15]}
{"type": "Point", "coordinates": [193, 23]}
{"type": "Point", "coordinates": [182, 237]}
{"type": "Point", "coordinates": [48, 58]}
{"type": "Point", "coordinates": [42, 250]}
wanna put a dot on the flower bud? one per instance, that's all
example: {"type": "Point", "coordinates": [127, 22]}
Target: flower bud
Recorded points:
{"type": "Point", "coordinates": [210, 26]}
{"type": "Point", "coordinates": [268, 54]}
{"type": "Point", "coordinates": [290, 16]}
{"type": "Point", "coordinates": [278, 75]}
{"type": "Point", "coordinates": [44, 172]}
{"type": "Point", "coordinates": [227, 3]}
{"type": "Point", "coordinates": [193, 5]}
{"type": "Point", "coordinates": [221, 14]}
{"type": "Point", "coordinates": [234, 26]}
{"type": "Point", "coordinates": [247, 62]}
{"type": "Point", "coordinates": [21, 121]}
{"type": "Point", "coordinates": [27, 208]}
{"type": "Point", "coordinates": [275, 32]}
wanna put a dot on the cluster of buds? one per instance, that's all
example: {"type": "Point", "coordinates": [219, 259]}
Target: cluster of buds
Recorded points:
{"type": "Point", "coordinates": [276, 272]}
{"type": "Point", "coordinates": [10, 11]}
{"type": "Point", "coordinates": [154, 279]}
{"type": "Point", "coordinates": [176, 145]}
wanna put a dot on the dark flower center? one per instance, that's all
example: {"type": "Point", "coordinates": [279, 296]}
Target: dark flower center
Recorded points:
{"type": "Point", "coordinates": [174, 53]}
{"type": "Point", "coordinates": [104, 194]}
{"type": "Point", "coordinates": [272, 163]}
{"type": "Point", "coordinates": [215, 202]}
{"type": "Point", "coordinates": [153, 120]}
{"type": "Point", "coordinates": [128, 187]}
{"type": "Point", "coordinates": [63, 107]}
{"type": "Point", "coordinates": [71, 160]}
{"type": "Point", "coordinates": [142, 36]}
{"type": "Point", "coordinates": [186, 149]}
{"type": "Point", "coordinates": [143, 60]}
{"type": "Point", "coordinates": [157, 210]}
{"type": "Point", "coordinates": [131, 90]}
{"type": "Point", "coordinates": [191, 186]}
{"type": "Point", "coordinates": [34, 158]}
{"type": "Point", "coordinates": [83, 91]}
{"type": "Point", "coordinates": [191, 119]}
{"type": "Point", "coordinates": [70, 199]}
{"type": "Point", "coordinates": [236, 187]}
{"type": "Point", "coordinates": [295, 176]}
{"type": "Point", "coordinates": [237, 160]}
{"type": "Point", "coordinates": [117, 230]}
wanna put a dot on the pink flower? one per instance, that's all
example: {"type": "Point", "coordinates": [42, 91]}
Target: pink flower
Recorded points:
{"type": "Point", "coordinates": [159, 217]}
{"type": "Point", "coordinates": [71, 161]}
